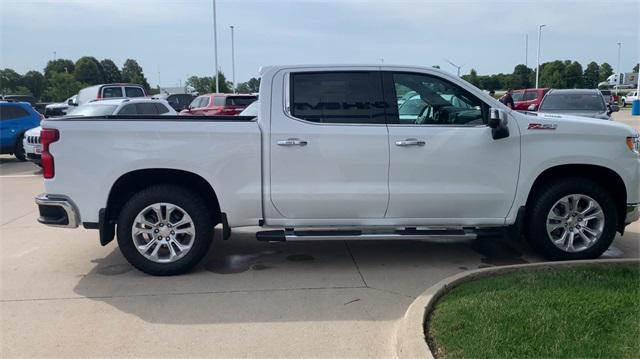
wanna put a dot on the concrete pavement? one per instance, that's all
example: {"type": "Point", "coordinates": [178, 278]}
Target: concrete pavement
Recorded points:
{"type": "Point", "coordinates": [62, 294]}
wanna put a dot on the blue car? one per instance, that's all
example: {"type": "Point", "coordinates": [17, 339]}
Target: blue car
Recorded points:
{"type": "Point", "coordinates": [15, 119]}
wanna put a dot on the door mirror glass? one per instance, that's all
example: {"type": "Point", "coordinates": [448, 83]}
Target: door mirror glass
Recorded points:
{"type": "Point", "coordinates": [613, 108]}
{"type": "Point", "coordinates": [498, 122]}
{"type": "Point", "coordinates": [532, 107]}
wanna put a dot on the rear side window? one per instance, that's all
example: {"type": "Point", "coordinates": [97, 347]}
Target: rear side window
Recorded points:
{"type": "Point", "coordinates": [10, 112]}
{"type": "Point", "coordinates": [147, 108]}
{"type": "Point", "coordinates": [109, 92]}
{"type": "Point", "coordinates": [517, 95]}
{"type": "Point", "coordinates": [530, 96]}
{"type": "Point", "coordinates": [240, 100]}
{"type": "Point", "coordinates": [337, 97]}
{"type": "Point", "coordinates": [129, 109]}
{"type": "Point", "coordinates": [218, 101]}
{"type": "Point", "coordinates": [134, 92]}
{"type": "Point", "coordinates": [162, 109]}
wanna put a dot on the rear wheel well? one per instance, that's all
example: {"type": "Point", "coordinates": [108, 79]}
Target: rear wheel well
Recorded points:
{"type": "Point", "coordinates": [607, 178]}
{"type": "Point", "coordinates": [135, 181]}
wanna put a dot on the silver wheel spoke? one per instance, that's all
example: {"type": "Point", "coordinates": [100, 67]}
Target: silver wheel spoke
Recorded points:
{"type": "Point", "coordinates": [157, 242]}
{"type": "Point", "coordinates": [575, 223]}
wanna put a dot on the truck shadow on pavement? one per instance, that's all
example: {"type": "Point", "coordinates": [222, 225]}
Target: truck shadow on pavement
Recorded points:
{"type": "Point", "coordinates": [243, 280]}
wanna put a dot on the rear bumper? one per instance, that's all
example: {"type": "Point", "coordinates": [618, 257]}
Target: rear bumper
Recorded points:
{"type": "Point", "coordinates": [57, 211]}
{"type": "Point", "coordinates": [633, 213]}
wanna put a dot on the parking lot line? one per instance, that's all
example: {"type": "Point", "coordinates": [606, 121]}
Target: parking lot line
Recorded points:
{"type": "Point", "coordinates": [18, 176]}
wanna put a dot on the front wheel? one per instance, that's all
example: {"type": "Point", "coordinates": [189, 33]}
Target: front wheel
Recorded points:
{"type": "Point", "coordinates": [19, 151]}
{"type": "Point", "coordinates": [624, 104]}
{"type": "Point", "coordinates": [573, 218]}
{"type": "Point", "coordinates": [164, 230]}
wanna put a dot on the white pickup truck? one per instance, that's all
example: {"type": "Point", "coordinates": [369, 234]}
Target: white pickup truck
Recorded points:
{"type": "Point", "coordinates": [334, 154]}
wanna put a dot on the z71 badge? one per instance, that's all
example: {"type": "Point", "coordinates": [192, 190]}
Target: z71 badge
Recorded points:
{"type": "Point", "coordinates": [542, 126]}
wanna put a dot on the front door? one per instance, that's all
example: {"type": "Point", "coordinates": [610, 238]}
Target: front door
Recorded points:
{"type": "Point", "coordinates": [329, 151]}
{"type": "Point", "coordinates": [445, 168]}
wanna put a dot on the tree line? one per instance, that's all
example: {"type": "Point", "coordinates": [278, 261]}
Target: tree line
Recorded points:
{"type": "Point", "coordinates": [207, 84]}
{"type": "Point", "coordinates": [62, 78]}
{"type": "Point", "coordinates": [554, 74]}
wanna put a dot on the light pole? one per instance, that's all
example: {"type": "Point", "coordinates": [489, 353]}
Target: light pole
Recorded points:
{"type": "Point", "coordinates": [215, 44]}
{"type": "Point", "coordinates": [233, 62]}
{"type": "Point", "coordinates": [538, 57]}
{"type": "Point", "coordinates": [619, 49]}
{"type": "Point", "coordinates": [526, 50]}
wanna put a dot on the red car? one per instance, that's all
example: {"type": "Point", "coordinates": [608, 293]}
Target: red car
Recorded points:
{"type": "Point", "coordinates": [524, 98]}
{"type": "Point", "coordinates": [215, 104]}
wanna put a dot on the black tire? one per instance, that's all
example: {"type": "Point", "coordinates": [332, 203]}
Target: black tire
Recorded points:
{"type": "Point", "coordinates": [187, 200]}
{"type": "Point", "coordinates": [19, 151]}
{"type": "Point", "coordinates": [624, 104]}
{"type": "Point", "coordinates": [540, 206]}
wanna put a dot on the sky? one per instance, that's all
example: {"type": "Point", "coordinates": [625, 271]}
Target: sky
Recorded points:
{"type": "Point", "coordinates": [173, 39]}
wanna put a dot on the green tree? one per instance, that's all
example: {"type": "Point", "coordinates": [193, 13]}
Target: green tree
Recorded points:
{"type": "Point", "coordinates": [573, 75]}
{"type": "Point", "coordinates": [224, 86]}
{"type": "Point", "coordinates": [59, 65]}
{"type": "Point", "coordinates": [132, 73]}
{"type": "Point", "coordinates": [605, 71]}
{"type": "Point", "coordinates": [35, 82]}
{"type": "Point", "coordinates": [521, 77]}
{"type": "Point", "coordinates": [9, 81]}
{"type": "Point", "coordinates": [591, 75]}
{"type": "Point", "coordinates": [635, 68]}
{"type": "Point", "coordinates": [472, 78]}
{"type": "Point", "coordinates": [111, 72]}
{"type": "Point", "coordinates": [201, 84]}
{"type": "Point", "coordinates": [88, 70]}
{"type": "Point", "coordinates": [552, 74]}
{"type": "Point", "coordinates": [61, 86]}
{"type": "Point", "coordinates": [254, 84]}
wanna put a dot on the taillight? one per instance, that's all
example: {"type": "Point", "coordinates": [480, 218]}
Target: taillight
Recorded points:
{"type": "Point", "coordinates": [47, 137]}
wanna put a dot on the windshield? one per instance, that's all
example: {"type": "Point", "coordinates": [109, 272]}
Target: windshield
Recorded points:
{"type": "Point", "coordinates": [251, 110]}
{"type": "Point", "coordinates": [94, 110]}
{"type": "Point", "coordinates": [572, 102]}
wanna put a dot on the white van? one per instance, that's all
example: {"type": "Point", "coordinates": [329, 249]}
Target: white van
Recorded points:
{"type": "Point", "coordinates": [97, 92]}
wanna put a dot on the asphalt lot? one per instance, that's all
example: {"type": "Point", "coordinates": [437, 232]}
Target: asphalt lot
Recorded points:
{"type": "Point", "coordinates": [62, 294]}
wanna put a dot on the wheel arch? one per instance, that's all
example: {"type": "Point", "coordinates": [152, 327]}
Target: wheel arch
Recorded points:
{"type": "Point", "coordinates": [606, 177]}
{"type": "Point", "coordinates": [132, 182]}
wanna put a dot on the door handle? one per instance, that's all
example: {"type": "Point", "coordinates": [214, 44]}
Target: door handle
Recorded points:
{"type": "Point", "coordinates": [292, 142]}
{"type": "Point", "coordinates": [410, 142]}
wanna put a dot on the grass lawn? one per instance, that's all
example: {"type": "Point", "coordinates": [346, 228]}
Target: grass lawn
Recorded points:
{"type": "Point", "coordinates": [581, 312]}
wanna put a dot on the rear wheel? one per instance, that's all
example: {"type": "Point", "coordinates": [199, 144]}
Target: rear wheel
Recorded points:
{"type": "Point", "coordinates": [19, 151]}
{"type": "Point", "coordinates": [623, 103]}
{"type": "Point", "coordinates": [164, 230]}
{"type": "Point", "coordinates": [573, 218]}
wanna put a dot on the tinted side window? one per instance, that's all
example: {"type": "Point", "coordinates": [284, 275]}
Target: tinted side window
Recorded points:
{"type": "Point", "coordinates": [517, 96]}
{"type": "Point", "coordinates": [129, 109]}
{"type": "Point", "coordinates": [134, 92]}
{"type": "Point", "coordinates": [12, 112]}
{"type": "Point", "coordinates": [109, 92]}
{"type": "Point", "coordinates": [436, 102]}
{"type": "Point", "coordinates": [337, 97]}
{"type": "Point", "coordinates": [218, 101]}
{"type": "Point", "coordinates": [530, 95]}
{"type": "Point", "coordinates": [161, 108]}
{"type": "Point", "coordinates": [146, 108]}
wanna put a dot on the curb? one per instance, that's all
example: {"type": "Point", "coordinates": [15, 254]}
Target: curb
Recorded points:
{"type": "Point", "coordinates": [410, 337]}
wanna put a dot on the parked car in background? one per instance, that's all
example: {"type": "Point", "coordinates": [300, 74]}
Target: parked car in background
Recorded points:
{"type": "Point", "coordinates": [609, 98]}
{"type": "Point", "coordinates": [99, 92]}
{"type": "Point", "coordinates": [129, 107]}
{"type": "Point", "coordinates": [179, 101]}
{"type": "Point", "coordinates": [216, 104]}
{"type": "Point", "coordinates": [15, 119]}
{"type": "Point", "coordinates": [124, 106]}
{"type": "Point", "coordinates": [524, 98]}
{"type": "Point", "coordinates": [21, 98]}
{"type": "Point", "coordinates": [60, 108]}
{"type": "Point", "coordinates": [628, 98]}
{"type": "Point", "coordinates": [585, 103]}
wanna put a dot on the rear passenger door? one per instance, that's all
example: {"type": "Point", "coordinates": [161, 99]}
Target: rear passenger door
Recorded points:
{"type": "Point", "coordinates": [329, 150]}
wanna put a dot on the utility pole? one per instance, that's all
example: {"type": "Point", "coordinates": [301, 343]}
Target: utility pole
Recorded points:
{"type": "Point", "coordinates": [233, 62]}
{"type": "Point", "coordinates": [215, 44]}
{"type": "Point", "coordinates": [618, 72]}
{"type": "Point", "coordinates": [538, 57]}
{"type": "Point", "coordinates": [54, 56]}
{"type": "Point", "coordinates": [619, 50]}
{"type": "Point", "coordinates": [526, 50]}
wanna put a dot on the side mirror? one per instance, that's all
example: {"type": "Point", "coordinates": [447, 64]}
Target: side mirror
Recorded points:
{"type": "Point", "coordinates": [614, 108]}
{"type": "Point", "coordinates": [72, 103]}
{"type": "Point", "coordinates": [498, 122]}
{"type": "Point", "coordinates": [532, 107]}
